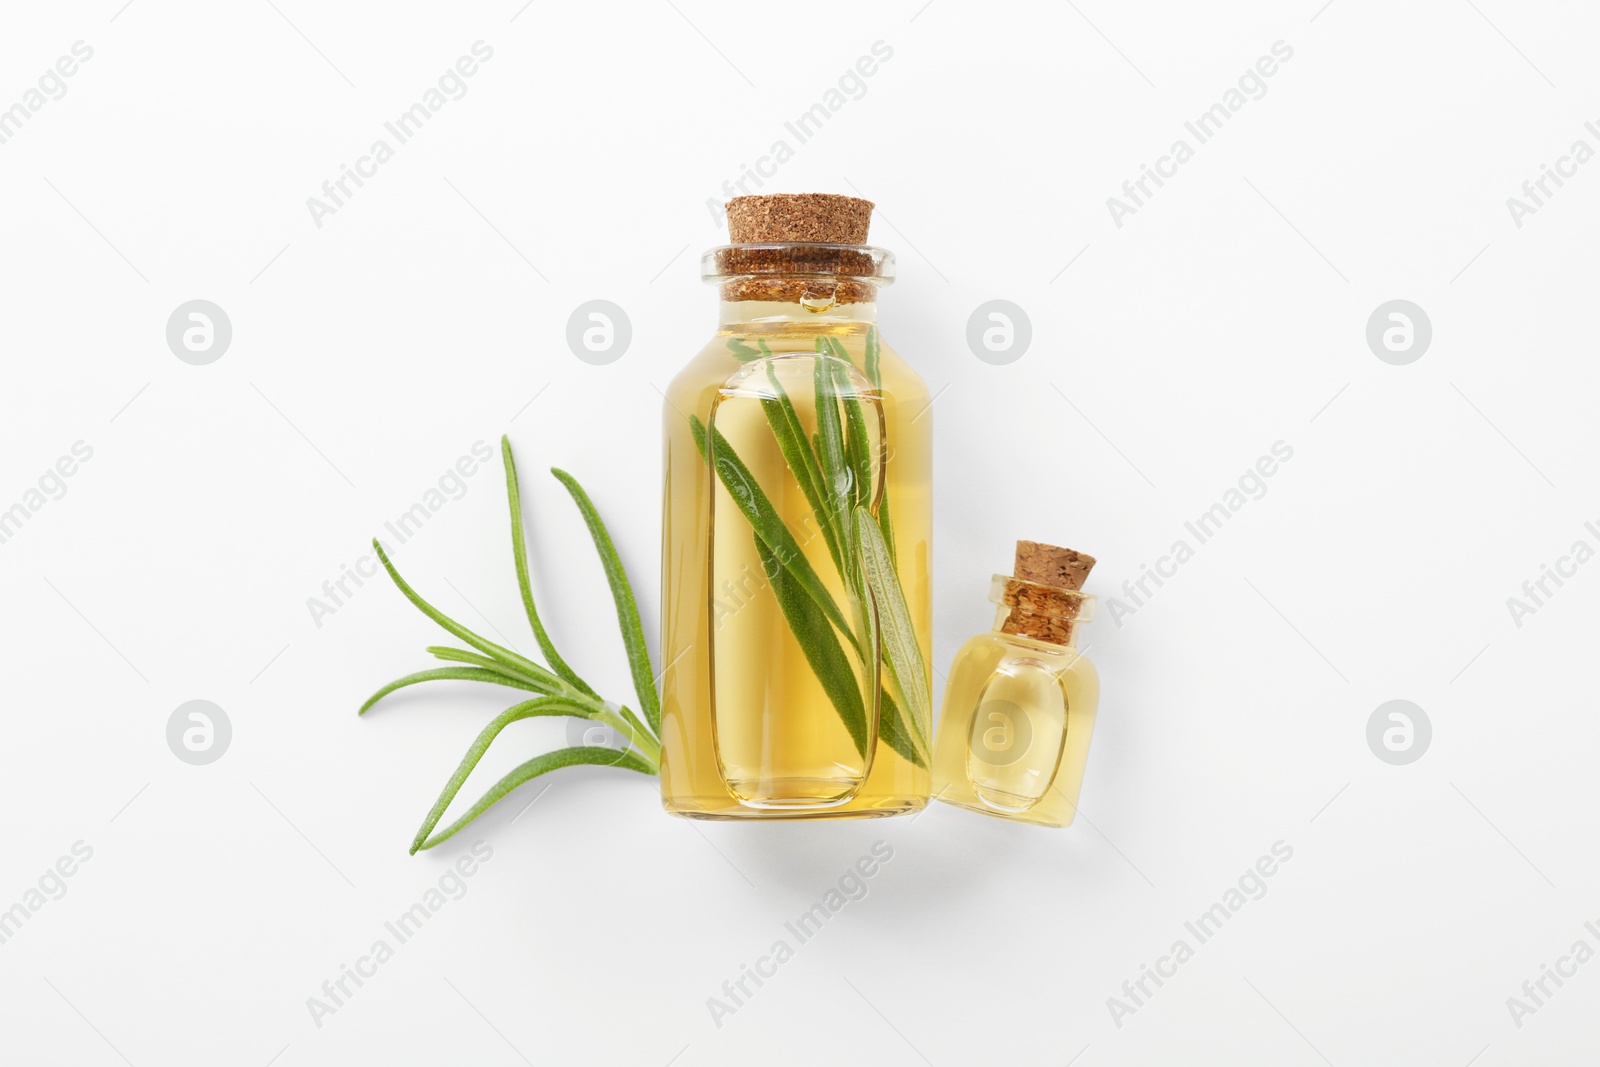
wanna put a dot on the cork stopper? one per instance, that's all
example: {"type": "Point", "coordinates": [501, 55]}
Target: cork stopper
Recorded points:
{"type": "Point", "coordinates": [817, 218]}
{"type": "Point", "coordinates": [1044, 597]}
{"type": "Point", "coordinates": [1051, 565]}
{"type": "Point", "coordinates": [826, 260]}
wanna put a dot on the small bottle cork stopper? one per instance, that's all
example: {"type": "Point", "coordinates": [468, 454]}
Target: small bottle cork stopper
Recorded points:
{"type": "Point", "coordinates": [1044, 593]}
{"type": "Point", "coordinates": [821, 218]}
{"type": "Point", "coordinates": [1051, 565]}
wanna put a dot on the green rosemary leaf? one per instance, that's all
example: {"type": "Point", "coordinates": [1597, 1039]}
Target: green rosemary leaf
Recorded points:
{"type": "Point", "coordinates": [892, 729]}
{"type": "Point", "coordinates": [504, 655]}
{"type": "Point", "coordinates": [541, 682]}
{"type": "Point", "coordinates": [856, 448]}
{"type": "Point", "coordinates": [744, 352]}
{"type": "Point", "coordinates": [525, 710]}
{"type": "Point", "coordinates": [865, 606]}
{"type": "Point", "coordinates": [860, 490]}
{"type": "Point", "coordinates": [791, 438]}
{"type": "Point", "coordinates": [894, 732]}
{"type": "Point", "coordinates": [830, 445]}
{"type": "Point", "coordinates": [441, 674]}
{"type": "Point", "coordinates": [900, 649]}
{"type": "Point", "coordinates": [769, 526]}
{"type": "Point", "coordinates": [836, 347]}
{"type": "Point", "coordinates": [632, 720]}
{"type": "Point", "coordinates": [861, 465]}
{"type": "Point", "coordinates": [519, 551]}
{"type": "Point", "coordinates": [617, 716]}
{"type": "Point", "coordinates": [821, 647]}
{"type": "Point", "coordinates": [886, 521]}
{"type": "Point", "coordinates": [874, 367]}
{"type": "Point", "coordinates": [593, 755]}
{"type": "Point", "coordinates": [644, 681]}
{"type": "Point", "coordinates": [874, 370]}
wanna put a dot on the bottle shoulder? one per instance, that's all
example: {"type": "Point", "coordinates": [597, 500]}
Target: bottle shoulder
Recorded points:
{"type": "Point", "coordinates": [731, 349]}
{"type": "Point", "coordinates": [1015, 646]}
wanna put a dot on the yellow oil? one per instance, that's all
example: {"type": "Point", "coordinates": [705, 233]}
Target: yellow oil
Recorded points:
{"type": "Point", "coordinates": [747, 730]}
{"type": "Point", "coordinates": [1014, 731]}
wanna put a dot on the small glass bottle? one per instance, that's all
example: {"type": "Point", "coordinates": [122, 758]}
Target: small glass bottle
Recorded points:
{"type": "Point", "coordinates": [796, 534]}
{"type": "Point", "coordinates": [1020, 702]}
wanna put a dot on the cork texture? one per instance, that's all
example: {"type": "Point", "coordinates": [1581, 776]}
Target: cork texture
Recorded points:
{"type": "Point", "coordinates": [1041, 612]}
{"type": "Point", "coordinates": [809, 269]}
{"type": "Point", "coordinates": [1051, 565]}
{"type": "Point", "coordinates": [820, 218]}
{"type": "Point", "coordinates": [1044, 596]}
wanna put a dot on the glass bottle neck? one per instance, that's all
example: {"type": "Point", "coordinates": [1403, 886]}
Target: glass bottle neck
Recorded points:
{"type": "Point", "coordinates": [1047, 613]}
{"type": "Point", "coordinates": [745, 312]}
{"type": "Point", "coordinates": [1059, 633]}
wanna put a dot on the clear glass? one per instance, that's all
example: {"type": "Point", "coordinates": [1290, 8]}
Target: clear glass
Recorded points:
{"type": "Point", "coordinates": [1014, 731]}
{"type": "Point", "coordinates": [754, 724]}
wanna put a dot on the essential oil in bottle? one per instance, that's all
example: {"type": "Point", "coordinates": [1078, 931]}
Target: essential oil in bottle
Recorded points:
{"type": "Point", "coordinates": [1020, 701]}
{"type": "Point", "coordinates": [796, 539]}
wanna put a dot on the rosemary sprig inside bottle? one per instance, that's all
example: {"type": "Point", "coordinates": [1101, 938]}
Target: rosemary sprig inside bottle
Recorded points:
{"type": "Point", "coordinates": [562, 691]}
{"type": "Point", "coordinates": [834, 469]}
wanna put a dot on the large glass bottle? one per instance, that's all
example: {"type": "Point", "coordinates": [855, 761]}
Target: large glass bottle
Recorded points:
{"type": "Point", "coordinates": [796, 555]}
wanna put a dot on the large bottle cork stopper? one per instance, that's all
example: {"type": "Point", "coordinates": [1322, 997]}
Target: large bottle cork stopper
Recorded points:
{"type": "Point", "coordinates": [821, 218]}
{"type": "Point", "coordinates": [1044, 594]}
{"type": "Point", "coordinates": [1051, 565]}
{"type": "Point", "coordinates": [799, 269]}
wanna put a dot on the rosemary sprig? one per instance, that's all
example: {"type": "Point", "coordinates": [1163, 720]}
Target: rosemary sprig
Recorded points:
{"type": "Point", "coordinates": [465, 674]}
{"type": "Point", "coordinates": [644, 682]}
{"type": "Point", "coordinates": [527, 709]}
{"type": "Point", "coordinates": [563, 692]}
{"type": "Point", "coordinates": [822, 650]}
{"type": "Point", "coordinates": [786, 428]}
{"type": "Point", "coordinates": [753, 502]}
{"type": "Point", "coordinates": [526, 772]}
{"type": "Point", "coordinates": [874, 368]}
{"type": "Point", "coordinates": [834, 471]}
{"type": "Point", "coordinates": [519, 552]}
{"type": "Point", "coordinates": [900, 649]}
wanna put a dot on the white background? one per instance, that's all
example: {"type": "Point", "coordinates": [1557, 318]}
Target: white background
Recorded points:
{"type": "Point", "coordinates": [429, 313]}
